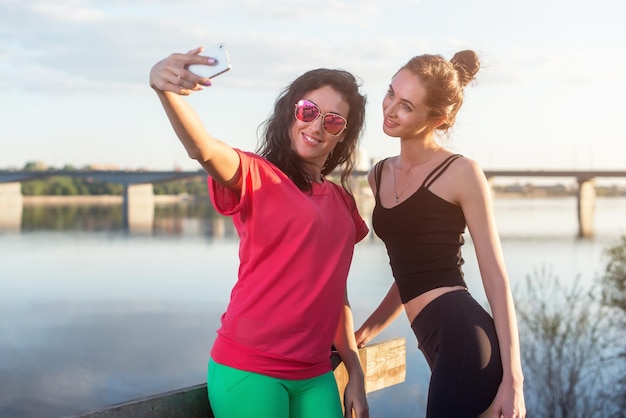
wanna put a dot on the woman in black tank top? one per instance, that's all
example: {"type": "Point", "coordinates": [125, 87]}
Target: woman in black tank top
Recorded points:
{"type": "Point", "coordinates": [425, 199]}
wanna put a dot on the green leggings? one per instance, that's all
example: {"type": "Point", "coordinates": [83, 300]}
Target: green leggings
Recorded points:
{"type": "Point", "coordinates": [237, 393]}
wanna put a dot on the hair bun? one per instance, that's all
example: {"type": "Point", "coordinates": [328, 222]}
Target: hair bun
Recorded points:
{"type": "Point", "coordinates": [466, 65]}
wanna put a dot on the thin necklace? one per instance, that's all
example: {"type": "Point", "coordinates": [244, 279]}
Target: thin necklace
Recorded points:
{"type": "Point", "coordinates": [395, 189]}
{"type": "Point", "coordinates": [408, 183]}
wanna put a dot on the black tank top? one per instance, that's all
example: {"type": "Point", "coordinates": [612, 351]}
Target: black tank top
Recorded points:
{"type": "Point", "coordinates": [423, 236]}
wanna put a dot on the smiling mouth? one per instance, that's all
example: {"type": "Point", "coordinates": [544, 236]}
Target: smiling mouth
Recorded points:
{"type": "Point", "coordinates": [389, 123]}
{"type": "Point", "coordinates": [310, 140]}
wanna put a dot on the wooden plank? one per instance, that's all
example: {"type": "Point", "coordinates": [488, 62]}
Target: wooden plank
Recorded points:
{"type": "Point", "coordinates": [384, 365]}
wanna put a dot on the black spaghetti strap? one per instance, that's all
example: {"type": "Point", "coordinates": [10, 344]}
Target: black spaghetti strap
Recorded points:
{"type": "Point", "coordinates": [439, 170]}
{"type": "Point", "coordinates": [378, 172]}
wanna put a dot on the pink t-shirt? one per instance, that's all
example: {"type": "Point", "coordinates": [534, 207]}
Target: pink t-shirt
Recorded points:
{"type": "Point", "coordinates": [295, 252]}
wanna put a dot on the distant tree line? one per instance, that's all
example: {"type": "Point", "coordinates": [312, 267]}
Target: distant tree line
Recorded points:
{"type": "Point", "coordinates": [72, 186]}
{"type": "Point", "coordinates": [555, 190]}
{"type": "Point", "coordinates": [69, 186]}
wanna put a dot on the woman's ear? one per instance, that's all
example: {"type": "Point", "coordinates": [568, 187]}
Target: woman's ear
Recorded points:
{"type": "Point", "coordinates": [438, 121]}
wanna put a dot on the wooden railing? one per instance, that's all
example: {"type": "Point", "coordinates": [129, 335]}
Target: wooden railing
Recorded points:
{"type": "Point", "coordinates": [384, 365]}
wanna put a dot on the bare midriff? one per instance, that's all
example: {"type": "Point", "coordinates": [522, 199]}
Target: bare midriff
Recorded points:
{"type": "Point", "coordinates": [415, 305]}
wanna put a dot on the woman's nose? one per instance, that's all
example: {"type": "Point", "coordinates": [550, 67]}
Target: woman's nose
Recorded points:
{"type": "Point", "coordinates": [318, 123]}
{"type": "Point", "coordinates": [389, 108]}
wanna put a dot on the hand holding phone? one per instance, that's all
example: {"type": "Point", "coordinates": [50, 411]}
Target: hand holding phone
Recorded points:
{"type": "Point", "coordinates": [219, 52]}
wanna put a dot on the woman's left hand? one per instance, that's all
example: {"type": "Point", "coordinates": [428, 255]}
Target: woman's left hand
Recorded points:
{"type": "Point", "coordinates": [355, 399]}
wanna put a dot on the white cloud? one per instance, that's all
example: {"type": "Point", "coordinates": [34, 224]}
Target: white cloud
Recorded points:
{"type": "Point", "coordinates": [67, 12]}
{"type": "Point", "coordinates": [568, 67]}
{"type": "Point", "coordinates": [340, 11]}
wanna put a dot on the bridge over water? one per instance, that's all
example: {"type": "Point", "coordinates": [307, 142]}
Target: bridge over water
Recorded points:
{"type": "Point", "coordinates": [586, 196]}
{"type": "Point", "coordinates": [139, 198]}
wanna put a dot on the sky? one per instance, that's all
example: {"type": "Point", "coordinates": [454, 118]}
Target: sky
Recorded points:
{"type": "Point", "coordinates": [74, 75]}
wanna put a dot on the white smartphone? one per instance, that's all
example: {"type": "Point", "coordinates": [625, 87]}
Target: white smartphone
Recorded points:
{"type": "Point", "coordinates": [220, 53]}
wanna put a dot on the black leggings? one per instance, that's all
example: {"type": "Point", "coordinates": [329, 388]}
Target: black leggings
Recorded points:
{"type": "Point", "coordinates": [459, 341]}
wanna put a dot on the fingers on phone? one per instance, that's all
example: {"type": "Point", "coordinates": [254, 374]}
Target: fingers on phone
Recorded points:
{"type": "Point", "coordinates": [182, 86]}
{"type": "Point", "coordinates": [196, 51]}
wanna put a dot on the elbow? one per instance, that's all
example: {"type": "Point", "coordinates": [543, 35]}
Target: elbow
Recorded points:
{"type": "Point", "coordinates": [192, 151]}
{"type": "Point", "coordinates": [195, 153]}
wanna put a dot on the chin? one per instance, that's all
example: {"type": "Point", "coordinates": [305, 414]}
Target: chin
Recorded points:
{"type": "Point", "coordinates": [389, 131]}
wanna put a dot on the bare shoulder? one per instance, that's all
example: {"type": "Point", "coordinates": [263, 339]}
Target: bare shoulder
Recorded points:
{"type": "Point", "coordinates": [464, 180]}
{"type": "Point", "coordinates": [466, 174]}
{"type": "Point", "coordinates": [465, 166]}
{"type": "Point", "coordinates": [472, 186]}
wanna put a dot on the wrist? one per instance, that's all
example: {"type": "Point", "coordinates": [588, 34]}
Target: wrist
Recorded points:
{"type": "Point", "coordinates": [513, 379]}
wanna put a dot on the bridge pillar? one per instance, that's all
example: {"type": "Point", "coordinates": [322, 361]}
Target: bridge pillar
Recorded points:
{"type": "Point", "coordinates": [11, 205]}
{"type": "Point", "coordinates": [218, 227]}
{"type": "Point", "coordinates": [586, 206]}
{"type": "Point", "coordinates": [138, 207]}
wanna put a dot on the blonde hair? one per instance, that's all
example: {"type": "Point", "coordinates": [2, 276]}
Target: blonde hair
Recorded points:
{"type": "Point", "coordinates": [444, 82]}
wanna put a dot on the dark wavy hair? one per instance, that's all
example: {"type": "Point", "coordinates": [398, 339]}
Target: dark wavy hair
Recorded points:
{"type": "Point", "coordinates": [275, 143]}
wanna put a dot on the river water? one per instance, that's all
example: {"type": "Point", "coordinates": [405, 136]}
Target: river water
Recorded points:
{"type": "Point", "coordinates": [91, 314]}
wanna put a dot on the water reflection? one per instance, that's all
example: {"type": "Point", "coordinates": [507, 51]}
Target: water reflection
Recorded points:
{"type": "Point", "coordinates": [189, 217]}
{"type": "Point", "coordinates": [196, 217]}
{"type": "Point", "coordinates": [72, 218]}
{"type": "Point", "coordinates": [107, 314]}
{"type": "Point", "coordinates": [171, 216]}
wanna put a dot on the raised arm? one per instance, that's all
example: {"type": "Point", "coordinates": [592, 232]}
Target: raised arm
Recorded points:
{"type": "Point", "coordinates": [171, 80]}
{"type": "Point", "coordinates": [475, 199]}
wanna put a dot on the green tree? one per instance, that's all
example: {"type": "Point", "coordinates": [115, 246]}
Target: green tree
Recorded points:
{"type": "Point", "coordinates": [61, 186]}
{"type": "Point", "coordinates": [197, 188]}
{"type": "Point", "coordinates": [80, 185]}
{"type": "Point", "coordinates": [35, 166]}
{"type": "Point", "coordinates": [33, 188]}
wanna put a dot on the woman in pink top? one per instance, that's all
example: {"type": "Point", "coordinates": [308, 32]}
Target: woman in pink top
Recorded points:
{"type": "Point", "coordinates": [271, 357]}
